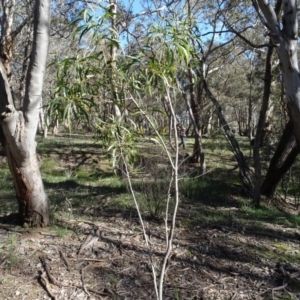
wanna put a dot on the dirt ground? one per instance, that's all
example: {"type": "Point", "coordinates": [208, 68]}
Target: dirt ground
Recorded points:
{"type": "Point", "coordinates": [107, 259]}
{"type": "Point", "coordinates": [94, 251]}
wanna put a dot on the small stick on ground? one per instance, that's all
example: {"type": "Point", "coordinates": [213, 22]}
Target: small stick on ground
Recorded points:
{"type": "Point", "coordinates": [15, 230]}
{"type": "Point", "coordinates": [45, 265]}
{"type": "Point", "coordinates": [44, 282]}
{"type": "Point", "coordinates": [90, 240]}
{"type": "Point", "coordinates": [82, 280]}
{"type": "Point", "coordinates": [49, 233]}
{"type": "Point", "coordinates": [64, 260]}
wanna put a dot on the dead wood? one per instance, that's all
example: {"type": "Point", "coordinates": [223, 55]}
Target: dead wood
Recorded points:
{"type": "Point", "coordinates": [45, 284]}
{"type": "Point", "coordinates": [13, 229]}
{"type": "Point", "coordinates": [64, 260]}
{"type": "Point", "coordinates": [82, 280]}
{"type": "Point", "coordinates": [90, 240]}
{"type": "Point", "coordinates": [51, 278]}
{"type": "Point", "coordinates": [49, 233]}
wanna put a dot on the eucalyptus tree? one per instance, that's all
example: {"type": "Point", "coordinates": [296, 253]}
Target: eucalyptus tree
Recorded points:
{"type": "Point", "coordinates": [18, 127]}
{"type": "Point", "coordinates": [280, 20]}
{"type": "Point", "coordinates": [231, 40]}
{"type": "Point", "coordinates": [283, 32]}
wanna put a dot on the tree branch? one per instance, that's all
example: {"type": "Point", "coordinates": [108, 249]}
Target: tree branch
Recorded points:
{"type": "Point", "coordinates": [37, 66]}
{"type": "Point", "coordinates": [20, 27]}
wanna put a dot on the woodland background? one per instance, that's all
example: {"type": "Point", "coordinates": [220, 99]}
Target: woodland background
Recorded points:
{"type": "Point", "coordinates": [93, 157]}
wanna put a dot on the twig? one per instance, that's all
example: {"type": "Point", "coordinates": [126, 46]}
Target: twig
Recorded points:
{"type": "Point", "coordinates": [64, 260]}
{"type": "Point", "coordinates": [3, 263]}
{"type": "Point", "coordinates": [44, 282]}
{"type": "Point", "coordinates": [90, 240]}
{"type": "Point", "coordinates": [17, 231]}
{"type": "Point", "coordinates": [94, 260]}
{"type": "Point", "coordinates": [272, 290]}
{"type": "Point", "coordinates": [45, 265]}
{"type": "Point", "coordinates": [49, 233]}
{"type": "Point", "coordinates": [175, 167]}
{"type": "Point", "coordinates": [141, 221]}
{"type": "Point", "coordinates": [295, 275]}
{"type": "Point", "coordinates": [82, 281]}
{"type": "Point", "coordinates": [234, 296]}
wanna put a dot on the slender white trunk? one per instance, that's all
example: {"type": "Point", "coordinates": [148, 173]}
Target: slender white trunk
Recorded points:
{"type": "Point", "coordinates": [113, 55]}
{"type": "Point", "coordinates": [18, 128]}
{"type": "Point", "coordinates": [286, 41]}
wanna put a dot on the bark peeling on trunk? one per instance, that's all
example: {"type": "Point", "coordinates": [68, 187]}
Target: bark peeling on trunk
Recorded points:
{"type": "Point", "coordinates": [18, 128]}
{"type": "Point", "coordinates": [30, 193]}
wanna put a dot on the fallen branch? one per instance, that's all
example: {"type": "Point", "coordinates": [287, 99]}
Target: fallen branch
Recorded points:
{"type": "Point", "coordinates": [82, 281]}
{"type": "Point", "coordinates": [44, 282]}
{"type": "Point", "coordinates": [64, 260]}
{"type": "Point", "coordinates": [17, 231]}
{"type": "Point", "coordinates": [289, 276]}
{"type": "Point", "coordinates": [295, 275]}
{"type": "Point", "coordinates": [49, 233]}
{"type": "Point", "coordinates": [45, 265]}
{"type": "Point", "coordinates": [90, 240]}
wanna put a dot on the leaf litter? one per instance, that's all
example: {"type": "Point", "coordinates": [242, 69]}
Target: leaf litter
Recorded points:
{"type": "Point", "coordinates": [107, 259]}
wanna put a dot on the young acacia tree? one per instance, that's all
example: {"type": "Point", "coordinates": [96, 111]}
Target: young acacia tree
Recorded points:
{"type": "Point", "coordinates": [18, 128]}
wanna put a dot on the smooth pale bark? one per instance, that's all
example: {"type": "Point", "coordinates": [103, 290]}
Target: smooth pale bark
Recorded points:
{"type": "Point", "coordinates": [113, 56]}
{"type": "Point", "coordinates": [19, 127]}
{"type": "Point", "coordinates": [286, 41]}
{"type": "Point", "coordinates": [171, 125]}
{"type": "Point", "coordinates": [25, 65]}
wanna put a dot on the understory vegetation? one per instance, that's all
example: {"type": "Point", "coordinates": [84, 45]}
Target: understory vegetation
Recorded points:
{"type": "Point", "coordinates": [223, 246]}
{"type": "Point", "coordinates": [150, 149]}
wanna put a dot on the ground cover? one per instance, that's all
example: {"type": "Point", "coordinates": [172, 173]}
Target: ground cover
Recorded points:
{"type": "Point", "coordinates": [223, 248]}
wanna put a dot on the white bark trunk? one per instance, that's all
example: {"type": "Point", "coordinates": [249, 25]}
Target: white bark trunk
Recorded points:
{"type": "Point", "coordinates": [286, 41]}
{"type": "Point", "coordinates": [113, 55]}
{"type": "Point", "coordinates": [19, 128]}
{"type": "Point", "coordinates": [41, 124]}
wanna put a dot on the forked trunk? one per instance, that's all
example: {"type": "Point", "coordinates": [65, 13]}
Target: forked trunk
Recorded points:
{"type": "Point", "coordinates": [285, 37]}
{"type": "Point", "coordinates": [244, 170]}
{"type": "Point", "coordinates": [18, 128]}
{"type": "Point", "coordinates": [284, 157]}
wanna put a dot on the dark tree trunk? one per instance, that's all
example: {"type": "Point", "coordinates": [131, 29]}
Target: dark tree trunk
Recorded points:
{"type": "Point", "coordinates": [260, 128]}
{"type": "Point", "coordinates": [196, 113]}
{"type": "Point", "coordinates": [198, 142]}
{"type": "Point", "coordinates": [284, 157]}
{"type": "Point", "coordinates": [244, 170]}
